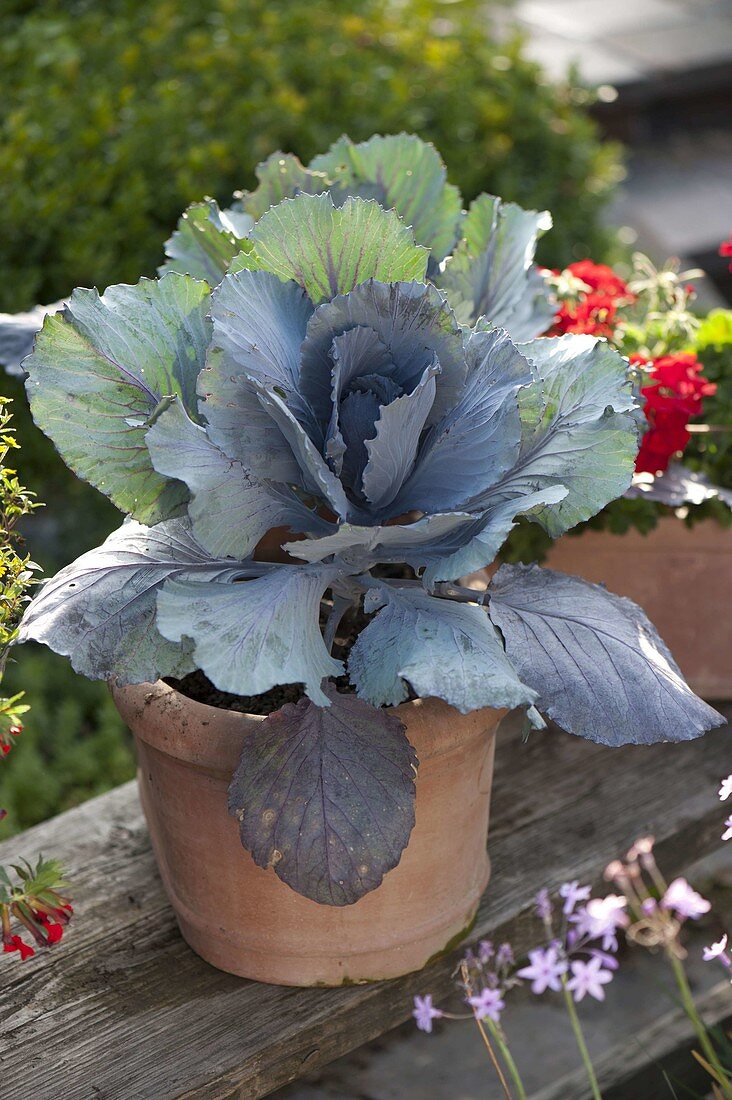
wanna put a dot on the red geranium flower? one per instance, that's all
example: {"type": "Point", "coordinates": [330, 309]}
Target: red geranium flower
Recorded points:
{"type": "Point", "coordinates": [673, 396]}
{"type": "Point", "coordinates": [594, 310]}
{"type": "Point", "coordinates": [15, 943]}
{"type": "Point", "coordinates": [725, 249]}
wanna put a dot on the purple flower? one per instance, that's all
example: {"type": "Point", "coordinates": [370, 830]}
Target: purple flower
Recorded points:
{"type": "Point", "coordinates": [588, 977]}
{"type": "Point", "coordinates": [718, 950]}
{"type": "Point", "coordinates": [488, 1004]}
{"type": "Point", "coordinates": [545, 970]}
{"type": "Point", "coordinates": [504, 956]}
{"type": "Point", "coordinates": [601, 918]}
{"type": "Point", "coordinates": [727, 834]}
{"type": "Point", "coordinates": [725, 789]}
{"type": "Point", "coordinates": [485, 951]}
{"type": "Point", "coordinates": [469, 958]}
{"type": "Point", "coordinates": [608, 961]}
{"type": "Point", "coordinates": [424, 1012]}
{"type": "Point", "coordinates": [684, 901]}
{"type": "Point", "coordinates": [573, 893]}
{"type": "Point", "coordinates": [543, 906]}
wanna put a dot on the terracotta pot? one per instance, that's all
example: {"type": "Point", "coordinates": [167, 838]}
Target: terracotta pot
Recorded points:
{"type": "Point", "coordinates": [680, 576]}
{"type": "Point", "coordinates": [244, 919]}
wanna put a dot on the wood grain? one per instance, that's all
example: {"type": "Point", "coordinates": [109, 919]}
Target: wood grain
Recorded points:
{"type": "Point", "coordinates": [123, 1010]}
{"type": "Point", "coordinates": [632, 1070]}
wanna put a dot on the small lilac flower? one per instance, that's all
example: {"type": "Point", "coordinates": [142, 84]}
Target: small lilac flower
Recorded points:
{"type": "Point", "coordinates": [543, 906]}
{"type": "Point", "coordinates": [725, 789]}
{"type": "Point", "coordinates": [601, 918]}
{"type": "Point", "coordinates": [573, 893]}
{"type": "Point", "coordinates": [504, 956]}
{"type": "Point", "coordinates": [684, 901]}
{"type": "Point", "coordinates": [545, 970]}
{"type": "Point", "coordinates": [470, 959]}
{"type": "Point", "coordinates": [608, 961]}
{"type": "Point", "coordinates": [488, 1004]}
{"type": "Point", "coordinates": [424, 1012]}
{"type": "Point", "coordinates": [485, 951]}
{"type": "Point", "coordinates": [727, 834]}
{"type": "Point", "coordinates": [588, 977]}
{"type": "Point", "coordinates": [649, 906]}
{"type": "Point", "coordinates": [718, 950]}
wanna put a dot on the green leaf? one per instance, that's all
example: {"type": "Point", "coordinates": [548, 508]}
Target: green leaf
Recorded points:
{"type": "Point", "coordinates": [281, 176]}
{"type": "Point", "coordinates": [100, 370]}
{"type": "Point", "coordinates": [715, 330]}
{"type": "Point", "coordinates": [330, 250]}
{"type": "Point", "coordinates": [206, 241]}
{"type": "Point", "coordinates": [402, 173]}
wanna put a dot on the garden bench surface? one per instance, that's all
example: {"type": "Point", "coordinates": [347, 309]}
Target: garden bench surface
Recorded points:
{"type": "Point", "coordinates": [125, 1011]}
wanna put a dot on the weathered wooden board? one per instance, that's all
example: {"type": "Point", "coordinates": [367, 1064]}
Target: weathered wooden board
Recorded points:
{"type": "Point", "coordinates": [632, 1070]}
{"type": "Point", "coordinates": [123, 1010]}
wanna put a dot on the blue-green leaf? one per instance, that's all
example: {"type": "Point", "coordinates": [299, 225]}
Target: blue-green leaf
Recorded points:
{"type": "Point", "coordinates": [477, 440]}
{"type": "Point", "coordinates": [579, 430]}
{"type": "Point", "coordinates": [230, 510]}
{"type": "Point", "coordinates": [259, 324]}
{"type": "Point", "coordinates": [490, 274]}
{"type": "Point", "coordinates": [598, 665]}
{"type": "Point", "coordinates": [281, 176]}
{"type": "Point", "coordinates": [206, 241]}
{"type": "Point", "coordinates": [100, 610]}
{"type": "Point", "coordinates": [250, 636]}
{"type": "Point", "coordinates": [443, 649]}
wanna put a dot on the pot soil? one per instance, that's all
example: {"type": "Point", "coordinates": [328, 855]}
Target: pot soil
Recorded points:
{"type": "Point", "coordinates": [242, 918]}
{"type": "Point", "coordinates": [678, 575]}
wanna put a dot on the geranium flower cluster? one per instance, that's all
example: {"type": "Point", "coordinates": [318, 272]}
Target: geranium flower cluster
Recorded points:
{"type": "Point", "coordinates": [35, 902]}
{"type": "Point", "coordinates": [649, 320]}
{"type": "Point", "coordinates": [673, 396]}
{"type": "Point", "coordinates": [589, 296]}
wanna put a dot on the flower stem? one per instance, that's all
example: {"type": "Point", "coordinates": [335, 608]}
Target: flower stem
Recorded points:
{"type": "Point", "coordinates": [499, 1036]}
{"type": "Point", "coordinates": [580, 1039]}
{"type": "Point", "coordinates": [687, 1001]}
{"type": "Point", "coordinates": [492, 1054]}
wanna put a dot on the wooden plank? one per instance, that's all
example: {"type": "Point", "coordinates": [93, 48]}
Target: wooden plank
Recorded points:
{"type": "Point", "coordinates": [633, 1069]}
{"type": "Point", "coordinates": [125, 1010]}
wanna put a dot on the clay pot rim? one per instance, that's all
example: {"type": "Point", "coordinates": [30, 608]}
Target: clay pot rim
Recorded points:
{"type": "Point", "coordinates": [221, 728]}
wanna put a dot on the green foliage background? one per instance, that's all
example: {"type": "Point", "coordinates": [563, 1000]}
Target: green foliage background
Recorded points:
{"type": "Point", "coordinates": [116, 115]}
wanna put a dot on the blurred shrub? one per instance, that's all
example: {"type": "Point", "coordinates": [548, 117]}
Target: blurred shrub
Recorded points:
{"type": "Point", "coordinates": [74, 743]}
{"type": "Point", "coordinates": [117, 115]}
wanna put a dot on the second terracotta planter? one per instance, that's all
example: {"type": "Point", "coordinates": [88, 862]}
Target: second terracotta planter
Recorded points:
{"type": "Point", "coordinates": [680, 576]}
{"type": "Point", "coordinates": [244, 919]}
